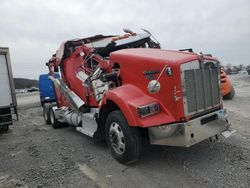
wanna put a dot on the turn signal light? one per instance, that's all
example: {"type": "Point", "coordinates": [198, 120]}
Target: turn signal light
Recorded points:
{"type": "Point", "coordinates": [149, 109]}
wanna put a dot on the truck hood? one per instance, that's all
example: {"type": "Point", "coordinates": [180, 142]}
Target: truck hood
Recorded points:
{"type": "Point", "coordinates": [152, 55]}
{"type": "Point", "coordinates": [141, 65]}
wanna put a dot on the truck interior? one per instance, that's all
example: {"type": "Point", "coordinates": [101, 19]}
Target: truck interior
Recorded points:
{"type": "Point", "coordinates": [104, 45]}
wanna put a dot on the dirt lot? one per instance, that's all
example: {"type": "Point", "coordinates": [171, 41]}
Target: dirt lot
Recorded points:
{"type": "Point", "coordinates": [32, 154]}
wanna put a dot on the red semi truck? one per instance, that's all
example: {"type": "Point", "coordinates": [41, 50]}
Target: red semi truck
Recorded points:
{"type": "Point", "coordinates": [125, 88]}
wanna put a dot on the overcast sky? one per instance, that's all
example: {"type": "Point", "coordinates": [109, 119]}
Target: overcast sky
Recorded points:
{"type": "Point", "coordinates": [34, 29]}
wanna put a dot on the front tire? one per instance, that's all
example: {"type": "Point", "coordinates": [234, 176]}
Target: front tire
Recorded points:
{"type": "Point", "coordinates": [125, 142]}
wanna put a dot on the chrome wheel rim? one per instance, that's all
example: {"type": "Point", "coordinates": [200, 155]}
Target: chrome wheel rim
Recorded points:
{"type": "Point", "coordinates": [116, 138]}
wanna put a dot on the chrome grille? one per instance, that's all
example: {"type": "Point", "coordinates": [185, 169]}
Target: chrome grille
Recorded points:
{"type": "Point", "coordinates": [201, 89]}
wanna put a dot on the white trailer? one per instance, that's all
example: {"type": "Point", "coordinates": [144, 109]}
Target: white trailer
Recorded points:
{"type": "Point", "coordinates": [8, 104]}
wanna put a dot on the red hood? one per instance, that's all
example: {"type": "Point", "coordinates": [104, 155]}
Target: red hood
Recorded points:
{"type": "Point", "coordinates": [155, 55]}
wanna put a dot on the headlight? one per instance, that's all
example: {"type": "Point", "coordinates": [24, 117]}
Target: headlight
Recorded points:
{"type": "Point", "coordinates": [149, 109]}
{"type": "Point", "coordinates": [154, 86]}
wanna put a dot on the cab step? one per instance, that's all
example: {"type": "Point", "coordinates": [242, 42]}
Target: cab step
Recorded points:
{"type": "Point", "coordinates": [89, 124]}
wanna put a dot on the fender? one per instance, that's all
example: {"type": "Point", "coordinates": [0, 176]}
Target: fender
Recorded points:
{"type": "Point", "coordinates": [128, 97]}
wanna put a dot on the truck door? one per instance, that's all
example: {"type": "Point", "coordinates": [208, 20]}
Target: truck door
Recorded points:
{"type": "Point", "coordinates": [5, 91]}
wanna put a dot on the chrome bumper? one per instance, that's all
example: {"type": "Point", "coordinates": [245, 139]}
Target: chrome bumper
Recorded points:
{"type": "Point", "coordinates": [191, 132]}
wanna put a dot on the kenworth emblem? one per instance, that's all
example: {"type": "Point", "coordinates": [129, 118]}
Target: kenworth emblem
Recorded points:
{"type": "Point", "coordinates": [151, 74]}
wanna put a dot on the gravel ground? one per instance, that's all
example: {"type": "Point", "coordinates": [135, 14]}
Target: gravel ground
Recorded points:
{"type": "Point", "coordinates": [32, 154]}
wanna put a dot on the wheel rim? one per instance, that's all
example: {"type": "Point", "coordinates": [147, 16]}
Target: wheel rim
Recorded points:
{"type": "Point", "coordinates": [51, 116]}
{"type": "Point", "coordinates": [116, 138]}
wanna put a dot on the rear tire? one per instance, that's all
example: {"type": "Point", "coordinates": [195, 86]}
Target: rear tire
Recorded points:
{"type": "Point", "coordinates": [46, 113]}
{"type": "Point", "coordinates": [54, 122]}
{"type": "Point", "coordinates": [4, 128]}
{"type": "Point", "coordinates": [230, 95]}
{"type": "Point", "coordinates": [125, 143]}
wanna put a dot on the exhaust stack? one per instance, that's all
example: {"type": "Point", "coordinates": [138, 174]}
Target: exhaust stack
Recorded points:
{"type": "Point", "coordinates": [74, 100]}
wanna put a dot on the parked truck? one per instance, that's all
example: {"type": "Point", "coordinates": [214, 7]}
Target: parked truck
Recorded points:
{"type": "Point", "coordinates": [8, 104]}
{"type": "Point", "coordinates": [126, 89]}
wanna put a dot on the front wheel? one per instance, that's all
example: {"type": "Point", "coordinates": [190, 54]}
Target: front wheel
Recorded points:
{"type": "Point", "coordinates": [125, 143]}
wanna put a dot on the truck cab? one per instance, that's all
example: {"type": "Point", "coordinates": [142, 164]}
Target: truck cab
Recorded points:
{"type": "Point", "coordinates": [124, 88]}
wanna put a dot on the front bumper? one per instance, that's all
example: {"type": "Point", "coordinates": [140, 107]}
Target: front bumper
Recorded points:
{"type": "Point", "coordinates": [191, 132]}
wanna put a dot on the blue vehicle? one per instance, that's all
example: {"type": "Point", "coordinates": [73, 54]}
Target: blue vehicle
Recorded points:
{"type": "Point", "coordinates": [46, 89]}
